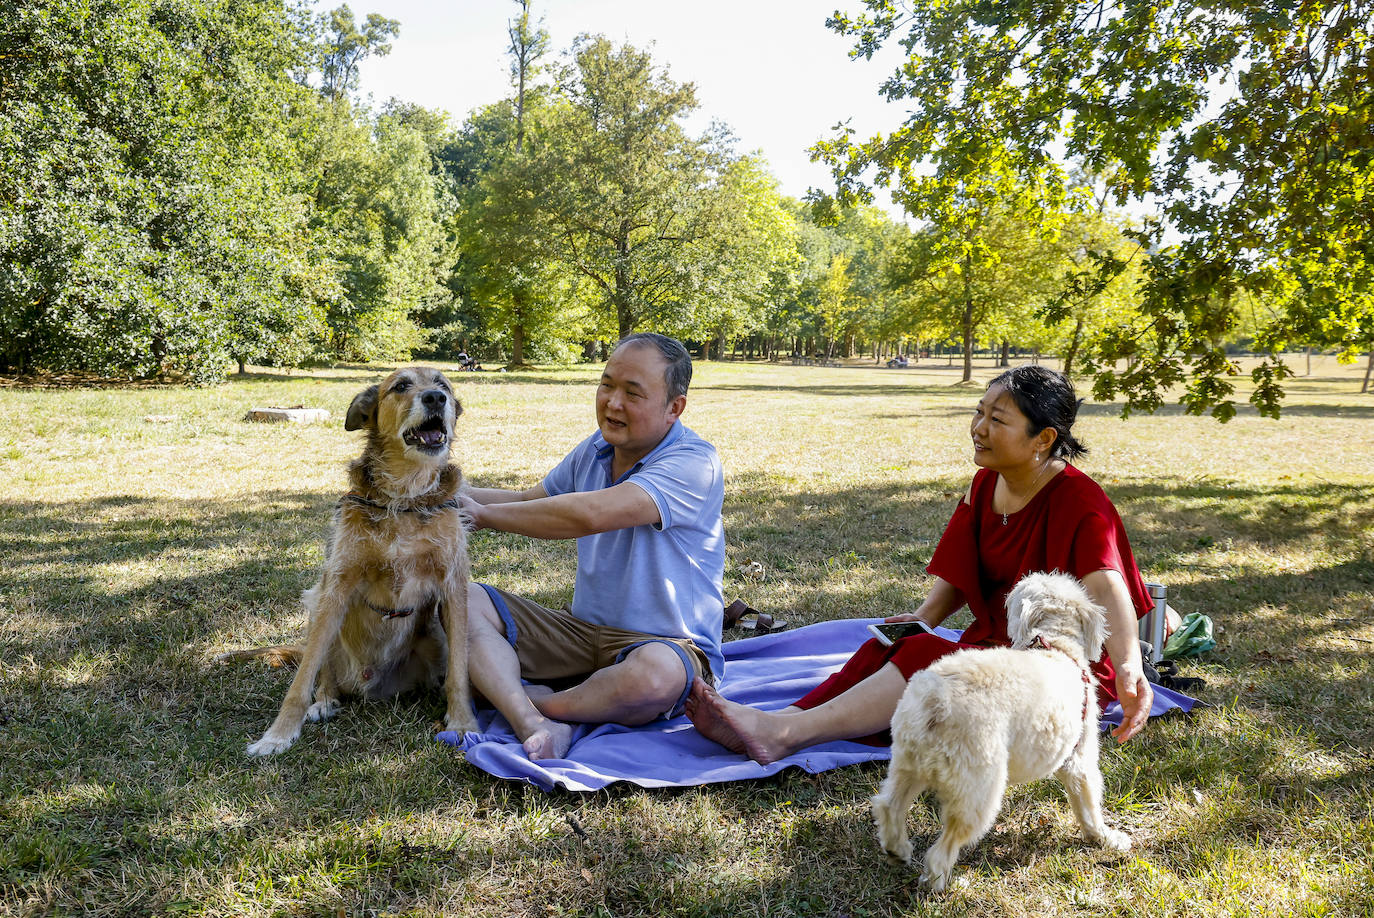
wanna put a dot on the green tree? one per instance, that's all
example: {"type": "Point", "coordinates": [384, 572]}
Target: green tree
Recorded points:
{"type": "Point", "coordinates": [981, 274]}
{"type": "Point", "coordinates": [522, 295]}
{"type": "Point", "coordinates": [528, 45]}
{"type": "Point", "coordinates": [511, 269]}
{"type": "Point", "coordinates": [149, 216]}
{"type": "Point", "coordinates": [380, 208]}
{"type": "Point", "coordinates": [836, 304]}
{"type": "Point", "coordinates": [793, 298]}
{"type": "Point", "coordinates": [872, 240]}
{"type": "Point", "coordinates": [1249, 120]}
{"type": "Point", "coordinates": [346, 45]}
{"type": "Point", "coordinates": [626, 192]}
{"type": "Point", "coordinates": [750, 242]}
{"type": "Point", "coordinates": [1091, 302]}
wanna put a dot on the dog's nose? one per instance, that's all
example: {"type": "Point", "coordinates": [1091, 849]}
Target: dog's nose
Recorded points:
{"type": "Point", "coordinates": [434, 399]}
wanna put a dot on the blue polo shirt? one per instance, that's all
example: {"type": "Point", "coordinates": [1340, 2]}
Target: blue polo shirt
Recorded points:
{"type": "Point", "coordinates": [664, 579]}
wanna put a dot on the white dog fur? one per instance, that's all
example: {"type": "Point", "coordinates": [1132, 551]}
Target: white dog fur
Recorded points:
{"type": "Point", "coordinates": [978, 720]}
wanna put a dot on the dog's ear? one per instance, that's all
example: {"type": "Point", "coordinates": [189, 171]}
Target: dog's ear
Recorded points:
{"type": "Point", "coordinates": [1024, 608]}
{"type": "Point", "coordinates": [1092, 619]}
{"type": "Point", "coordinates": [362, 408]}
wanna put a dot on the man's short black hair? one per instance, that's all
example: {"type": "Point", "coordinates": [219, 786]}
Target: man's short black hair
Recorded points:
{"type": "Point", "coordinates": [678, 374]}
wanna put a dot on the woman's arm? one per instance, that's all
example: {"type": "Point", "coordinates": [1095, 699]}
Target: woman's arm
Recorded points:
{"type": "Point", "coordinates": [941, 602]}
{"type": "Point", "coordinates": [1108, 589]}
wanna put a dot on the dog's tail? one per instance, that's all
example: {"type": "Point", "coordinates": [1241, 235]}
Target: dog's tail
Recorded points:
{"type": "Point", "coordinates": [280, 655]}
{"type": "Point", "coordinates": [936, 706]}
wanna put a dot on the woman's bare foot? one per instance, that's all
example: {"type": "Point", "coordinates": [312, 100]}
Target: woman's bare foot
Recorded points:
{"type": "Point", "coordinates": [550, 740]}
{"type": "Point", "coordinates": [739, 728]}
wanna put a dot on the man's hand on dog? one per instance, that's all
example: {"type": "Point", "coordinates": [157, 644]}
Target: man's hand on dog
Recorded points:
{"type": "Point", "coordinates": [471, 510]}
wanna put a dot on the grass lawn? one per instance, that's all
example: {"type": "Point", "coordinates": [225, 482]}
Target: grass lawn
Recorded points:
{"type": "Point", "coordinates": [142, 531]}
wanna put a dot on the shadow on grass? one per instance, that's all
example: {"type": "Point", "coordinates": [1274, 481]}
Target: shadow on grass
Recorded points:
{"type": "Point", "coordinates": [1243, 410]}
{"type": "Point", "coordinates": [362, 377]}
{"type": "Point", "coordinates": [864, 391]}
{"type": "Point", "coordinates": [125, 749]}
{"type": "Point", "coordinates": [123, 529]}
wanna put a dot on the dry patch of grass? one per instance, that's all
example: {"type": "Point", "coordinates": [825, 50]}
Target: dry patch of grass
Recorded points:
{"type": "Point", "coordinates": [135, 550]}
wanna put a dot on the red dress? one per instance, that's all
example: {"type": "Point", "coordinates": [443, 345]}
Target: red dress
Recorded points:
{"type": "Point", "coordinates": [1068, 526]}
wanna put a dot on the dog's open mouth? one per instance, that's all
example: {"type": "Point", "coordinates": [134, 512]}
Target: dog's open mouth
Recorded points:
{"type": "Point", "coordinates": [430, 436]}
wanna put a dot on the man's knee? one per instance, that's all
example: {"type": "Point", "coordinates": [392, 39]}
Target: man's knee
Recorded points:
{"type": "Point", "coordinates": [483, 619]}
{"type": "Point", "coordinates": [658, 672]}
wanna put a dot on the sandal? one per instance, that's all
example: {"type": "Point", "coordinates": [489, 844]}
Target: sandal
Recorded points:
{"type": "Point", "coordinates": [741, 615]}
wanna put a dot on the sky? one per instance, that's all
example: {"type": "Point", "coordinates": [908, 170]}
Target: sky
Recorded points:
{"type": "Point", "coordinates": [769, 69]}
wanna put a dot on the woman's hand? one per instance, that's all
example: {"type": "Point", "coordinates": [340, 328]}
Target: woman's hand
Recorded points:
{"type": "Point", "coordinates": [942, 601]}
{"type": "Point", "coordinates": [1136, 697]}
{"type": "Point", "coordinates": [1108, 589]}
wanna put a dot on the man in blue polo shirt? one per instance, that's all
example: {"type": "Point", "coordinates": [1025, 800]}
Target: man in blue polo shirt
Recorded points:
{"type": "Point", "coordinates": [642, 496]}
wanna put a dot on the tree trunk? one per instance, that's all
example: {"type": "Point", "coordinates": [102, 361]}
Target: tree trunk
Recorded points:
{"type": "Point", "coordinates": [1074, 344]}
{"type": "Point", "coordinates": [1006, 354]}
{"type": "Point", "coordinates": [966, 323]}
{"type": "Point", "coordinates": [517, 345]}
{"type": "Point", "coordinates": [625, 315]}
{"type": "Point", "coordinates": [1368, 370]}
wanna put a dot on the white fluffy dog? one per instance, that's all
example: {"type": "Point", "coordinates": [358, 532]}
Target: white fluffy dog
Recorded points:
{"type": "Point", "coordinates": [979, 719]}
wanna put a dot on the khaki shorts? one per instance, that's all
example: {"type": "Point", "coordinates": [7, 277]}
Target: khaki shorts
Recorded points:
{"type": "Point", "coordinates": [554, 646]}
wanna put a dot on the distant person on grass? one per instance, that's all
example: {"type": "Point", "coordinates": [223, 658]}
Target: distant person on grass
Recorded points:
{"type": "Point", "coordinates": [642, 496]}
{"type": "Point", "coordinates": [1027, 510]}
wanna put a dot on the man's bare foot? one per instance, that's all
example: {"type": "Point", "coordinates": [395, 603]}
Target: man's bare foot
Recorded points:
{"type": "Point", "coordinates": [550, 740]}
{"type": "Point", "coordinates": [737, 727]}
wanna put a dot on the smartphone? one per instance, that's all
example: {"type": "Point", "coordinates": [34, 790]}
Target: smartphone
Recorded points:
{"type": "Point", "coordinates": [887, 632]}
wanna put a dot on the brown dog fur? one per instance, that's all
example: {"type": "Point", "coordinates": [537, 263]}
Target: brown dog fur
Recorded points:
{"type": "Point", "coordinates": [397, 542]}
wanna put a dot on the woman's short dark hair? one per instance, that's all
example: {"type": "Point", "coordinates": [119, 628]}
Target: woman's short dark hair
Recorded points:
{"type": "Point", "coordinates": [1047, 399]}
{"type": "Point", "coordinates": [678, 374]}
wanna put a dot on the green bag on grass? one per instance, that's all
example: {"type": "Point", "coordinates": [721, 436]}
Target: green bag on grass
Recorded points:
{"type": "Point", "coordinates": [1192, 639]}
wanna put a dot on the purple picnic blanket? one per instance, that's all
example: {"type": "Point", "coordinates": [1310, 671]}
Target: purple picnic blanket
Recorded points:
{"type": "Point", "coordinates": [768, 672]}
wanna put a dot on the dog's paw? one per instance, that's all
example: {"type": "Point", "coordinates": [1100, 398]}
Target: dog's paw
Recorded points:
{"type": "Point", "coordinates": [898, 857]}
{"type": "Point", "coordinates": [270, 745]}
{"type": "Point", "coordinates": [935, 882]}
{"type": "Point", "coordinates": [1117, 841]}
{"type": "Point", "coordinates": [323, 709]}
{"type": "Point", "coordinates": [461, 723]}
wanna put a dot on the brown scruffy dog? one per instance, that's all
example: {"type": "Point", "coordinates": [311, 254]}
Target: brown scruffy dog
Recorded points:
{"type": "Point", "coordinates": [389, 612]}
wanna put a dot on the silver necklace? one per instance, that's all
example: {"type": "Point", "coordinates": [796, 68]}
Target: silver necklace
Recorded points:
{"type": "Point", "coordinates": [1043, 467]}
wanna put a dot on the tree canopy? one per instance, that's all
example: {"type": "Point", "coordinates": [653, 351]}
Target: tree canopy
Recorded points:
{"type": "Point", "coordinates": [188, 185]}
{"type": "Point", "coordinates": [147, 164]}
{"type": "Point", "coordinates": [1250, 122]}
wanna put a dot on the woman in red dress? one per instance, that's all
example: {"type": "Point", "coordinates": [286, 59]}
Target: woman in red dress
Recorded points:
{"type": "Point", "coordinates": [1027, 510]}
